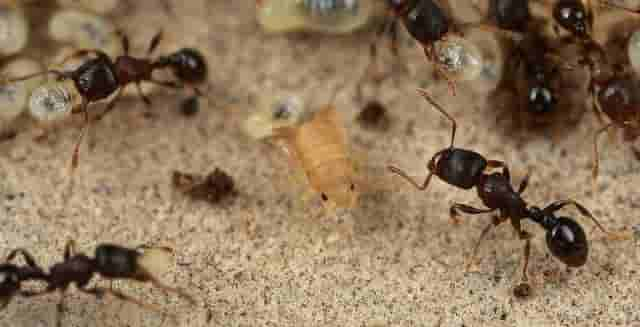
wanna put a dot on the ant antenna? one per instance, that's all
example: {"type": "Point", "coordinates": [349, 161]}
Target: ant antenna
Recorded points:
{"type": "Point", "coordinates": [438, 107]}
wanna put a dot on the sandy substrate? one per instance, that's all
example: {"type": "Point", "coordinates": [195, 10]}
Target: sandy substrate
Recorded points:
{"type": "Point", "coordinates": [265, 260]}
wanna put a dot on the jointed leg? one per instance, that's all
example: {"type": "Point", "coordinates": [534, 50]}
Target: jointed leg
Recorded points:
{"type": "Point", "coordinates": [404, 175]}
{"type": "Point", "coordinates": [555, 206]}
{"type": "Point", "coordinates": [76, 151]}
{"type": "Point", "coordinates": [596, 161]}
{"type": "Point", "coordinates": [168, 84]}
{"type": "Point", "coordinates": [110, 105]}
{"type": "Point", "coordinates": [438, 107]}
{"type": "Point", "coordinates": [524, 183]}
{"type": "Point", "coordinates": [495, 222]}
{"type": "Point", "coordinates": [500, 164]}
{"type": "Point", "coordinates": [99, 292]}
{"type": "Point", "coordinates": [60, 308]}
{"type": "Point", "coordinates": [28, 258]}
{"type": "Point", "coordinates": [144, 98]}
{"type": "Point", "coordinates": [124, 39]}
{"type": "Point", "coordinates": [59, 75]}
{"type": "Point", "coordinates": [154, 42]}
{"type": "Point", "coordinates": [81, 53]}
{"type": "Point", "coordinates": [170, 289]}
{"type": "Point", "coordinates": [431, 57]}
{"type": "Point", "coordinates": [69, 249]}
{"type": "Point", "coordinates": [453, 211]}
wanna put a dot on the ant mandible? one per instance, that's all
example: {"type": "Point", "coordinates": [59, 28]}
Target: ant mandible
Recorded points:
{"type": "Point", "coordinates": [110, 261]}
{"type": "Point", "coordinates": [466, 169]}
{"type": "Point", "coordinates": [98, 78]}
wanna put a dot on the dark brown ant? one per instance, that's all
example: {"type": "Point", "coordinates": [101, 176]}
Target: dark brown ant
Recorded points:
{"type": "Point", "coordinates": [466, 169]}
{"type": "Point", "coordinates": [428, 23]}
{"type": "Point", "coordinates": [100, 77]}
{"type": "Point", "coordinates": [111, 261]}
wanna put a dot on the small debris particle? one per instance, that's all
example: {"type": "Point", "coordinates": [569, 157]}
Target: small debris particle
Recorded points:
{"type": "Point", "coordinates": [374, 115]}
{"type": "Point", "coordinates": [213, 188]}
{"type": "Point", "coordinates": [523, 290]}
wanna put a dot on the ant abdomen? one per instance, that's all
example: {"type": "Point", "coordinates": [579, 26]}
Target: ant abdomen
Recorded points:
{"type": "Point", "coordinates": [54, 101]}
{"type": "Point", "coordinates": [188, 64]}
{"type": "Point", "coordinates": [568, 242]}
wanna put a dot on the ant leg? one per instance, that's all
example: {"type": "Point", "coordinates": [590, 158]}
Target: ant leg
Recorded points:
{"type": "Point", "coordinates": [28, 258]}
{"type": "Point", "coordinates": [524, 183]}
{"type": "Point", "coordinates": [99, 292]}
{"type": "Point", "coordinates": [60, 308]}
{"type": "Point", "coordinates": [124, 39]}
{"type": "Point", "coordinates": [373, 57]}
{"type": "Point", "coordinates": [453, 211]}
{"type": "Point", "coordinates": [110, 105]}
{"type": "Point", "coordinates": [76, 151]}
{"type": "Point", "coordinates": [500, 164]}
{"type": "Point", "coordinates": [154, 42]}
{"type": "Point", "coordinates": [59, 74]}
{"type": "Point", "coordinates": [144, 98]}
{"type": "Point", "coordinates": [438, 107]}
{"type": "Point", "coordinates": [167, 84]}
{"type": "Point", "coordinates": [81, 53]}
{"type": "Point", "coordinates": [404, 175]}
{"type": "Point", "coordinates": [431, 57]}
{"type": "Point", "coordinates": [596, 160]}
{"type": "Point", "coordinates": [555, 206]}
{"type": "Point", "coordinates": [170, 289]}
{"type": "Point", "coordinates": [69, 249]}
{"type": "Point", "coordinates": [494, 223]}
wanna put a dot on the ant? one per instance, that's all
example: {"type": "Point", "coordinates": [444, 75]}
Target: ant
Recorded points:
{"type": "Point", "coordinates": [100, 77]}
{"type": "Point", "coordinates": [428, 23]}
{"type": "Point", "coordinates": [110, 261]}
{"type": "Point", "coordinates": [466, 169]}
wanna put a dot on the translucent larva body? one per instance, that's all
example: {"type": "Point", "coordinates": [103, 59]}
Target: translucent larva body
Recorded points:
{"type": "Point", "coordinates": [633, 51]}
{"type": "Point", "coordinates": [54, 101]}
{"type": "Point", "coordinates": [98, 7]}
{"type": "Point", "coordinates": [84, 30]}
{"type": "Point", "coordinates": [14, 96]}
{"type": "Point", "coordinates": [14, 30]}
{"type": "Point", "coordinates": [327, 16]}
{"type": "Point", "coordinates": [459, 58]}
{"type": "Point", "coordinates": [319, 146]}
{"type": "Point", "coordinates": [285, 111]}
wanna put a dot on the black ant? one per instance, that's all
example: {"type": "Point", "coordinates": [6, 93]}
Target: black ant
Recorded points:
{"type": "Point", "coordinates": [110, 261]}
{"type": "Point", "coordinates": [467, 169]}
{"type": "Point", "coordinates": [100, 77]}
{"type": "Point", "coordinates": [428, 23]}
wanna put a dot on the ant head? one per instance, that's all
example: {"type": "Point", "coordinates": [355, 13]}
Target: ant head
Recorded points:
{"type": "Point", "coordinates": [188, 64]}
{"type": "Point", "coordinates": [9, 283]}
{"type": "Point", "coordinates": [573, 16]}
{"type": "Point", "coordinates": [567, 241]}
{"type": "Point", "coordinates": [540, 100]}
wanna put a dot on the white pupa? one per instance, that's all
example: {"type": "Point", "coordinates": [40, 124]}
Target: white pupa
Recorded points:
{"type": "Point", "coordinates": [84, 30]}
{"type": "Point", "coordinates": [14, 30]}
{"type": "Point", "coordinates": [54, 101]}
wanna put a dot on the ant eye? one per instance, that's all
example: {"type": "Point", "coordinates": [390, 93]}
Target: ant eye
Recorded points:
{"type": "Point", "coordinates": [324, 197]}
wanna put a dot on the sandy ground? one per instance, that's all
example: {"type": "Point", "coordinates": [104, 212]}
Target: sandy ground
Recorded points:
{"type": "Point", "coordinates": [264, 260]}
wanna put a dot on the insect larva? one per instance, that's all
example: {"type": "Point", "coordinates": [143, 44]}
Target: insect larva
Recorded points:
{"type": "Point", "coordinates": [84, 31]}
{"type": "Point", "coordinates": [54, 101]}
{"type": "Point", "coordinates": [14, 30]}
{"type": "Point", "coordinates": [319, 146]}
{"type": "Point", "coordinates": [328, 16]}
{"type": "Point", "coordinates": [285, 111]}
